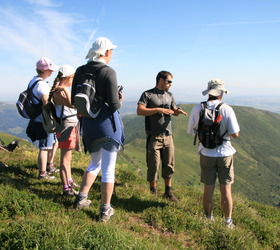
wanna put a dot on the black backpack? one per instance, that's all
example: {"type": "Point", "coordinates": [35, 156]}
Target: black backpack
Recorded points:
{"type": "Point", "coordinates": [26, 108]}
{"type": "Point", "coordinates": [86, 101]}
{"type": "Point", "coordinates": [208, 130]}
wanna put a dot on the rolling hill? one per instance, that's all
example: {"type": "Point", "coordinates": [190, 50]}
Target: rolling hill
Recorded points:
{"type": "Point", "coordinates": [257, 161]}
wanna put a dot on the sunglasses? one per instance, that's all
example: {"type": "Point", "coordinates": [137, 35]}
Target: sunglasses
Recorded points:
{"type": "Point", "coordinates": [168, 81]}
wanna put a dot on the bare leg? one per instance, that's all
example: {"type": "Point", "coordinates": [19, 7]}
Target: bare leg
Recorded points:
{"type": "Point", "coordinates": [208, 199]}
{"type": "Point", "coordinates": [51, 153]}
{"type": "Point", "coordinates": [88, 180]}
{"type": "Point", "coordinates": [168, 182]}
{"type": "Point", "coordinates": [42, 160]}
{"type": "Point", "coordinates": [153, 184]}
{"type": "Point", "coordinates": [106, 192]}
{"type": "Point", "coordinates": [65, 165]}
{"type": "Point", "coordinates": [226, 200]}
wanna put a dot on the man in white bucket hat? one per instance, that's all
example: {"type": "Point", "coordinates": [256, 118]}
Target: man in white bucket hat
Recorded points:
{"type": "Point", "coordinates": [219, 160]}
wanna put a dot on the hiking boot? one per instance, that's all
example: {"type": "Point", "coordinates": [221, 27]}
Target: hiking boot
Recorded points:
{"type": "Point", "coordinates": [70, 192]}
{"type": "Point", "coordinates": [170, 196]}
{"type": "Point", "coordinates": [153, 190]}
{"type": "Point", "coordinates": [106, 215]}
{"type": "Point", "coordinates": [80, 204]}
{"type": "Point", "coordinates": [46, 176]}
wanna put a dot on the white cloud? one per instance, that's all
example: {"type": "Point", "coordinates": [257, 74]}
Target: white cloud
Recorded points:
{"type": "Point", "coordinates": [46, 31]}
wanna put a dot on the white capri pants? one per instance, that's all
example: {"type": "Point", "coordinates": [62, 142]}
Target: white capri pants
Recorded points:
{"type": "Point", "coordinates": [106, 162]}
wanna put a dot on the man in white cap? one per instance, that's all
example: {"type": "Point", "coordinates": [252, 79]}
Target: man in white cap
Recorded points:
{"type": "Point", "coordinates": [103, 135]}
{"type": "Point", "coordinates": [219, 160]}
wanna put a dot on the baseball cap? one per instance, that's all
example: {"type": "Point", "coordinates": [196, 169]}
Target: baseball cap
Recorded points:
{"type": "Point", "coordinates": [46, 64]}
{"type": "Point", "coordinates": [99, 47]}
{"type": "Point", "coordinates": [66, 70]}
{"type": "Point", "coordinates": [215, 88]}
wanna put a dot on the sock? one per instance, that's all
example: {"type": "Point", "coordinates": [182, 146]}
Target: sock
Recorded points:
{"type": "Point", "coordinates": [81, 196]}
{"type": "Point", "coordinates": [228, 220]}
{"type": "Point", "coordinates": [105, 207]}
{"type": "Point", "coordinates": [70, 180]}
{"type": "Point", "coordinates": [65, 187]}
{"type": "Point", "coordinates": [167, 189]}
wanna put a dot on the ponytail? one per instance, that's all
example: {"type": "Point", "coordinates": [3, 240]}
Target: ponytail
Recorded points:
{"type": "Point", "coordinates": [55, 85]}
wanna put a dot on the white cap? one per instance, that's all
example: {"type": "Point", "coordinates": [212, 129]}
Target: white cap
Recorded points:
{"type": "Point", "coordinates": [99, 47]}
{"type": "Point", "coordinates": [66, 70]}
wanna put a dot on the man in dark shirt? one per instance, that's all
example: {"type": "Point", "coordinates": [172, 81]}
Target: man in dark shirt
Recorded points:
{"type": "Point", "coordinates": [157, 105]}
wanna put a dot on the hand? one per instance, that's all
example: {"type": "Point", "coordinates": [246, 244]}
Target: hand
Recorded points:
{"type": "Point", "coordinates": [121, 96]}
{"type": "Point", "coordinates": [179, 111]}
{"type": "Point", "coordinates": [166, 111]}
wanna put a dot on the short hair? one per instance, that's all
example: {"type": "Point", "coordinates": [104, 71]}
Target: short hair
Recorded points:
{"type": "Point", "coordinates": [39, 72]}
{"type": "Point", "coordinates": [163, 74]}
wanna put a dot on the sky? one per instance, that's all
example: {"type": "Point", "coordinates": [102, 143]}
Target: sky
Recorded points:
{"type": "Point", "coordinates": [196, 40]}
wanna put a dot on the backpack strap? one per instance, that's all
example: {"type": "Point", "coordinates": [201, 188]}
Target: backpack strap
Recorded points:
{"type": "Point", "coordinates": [217, 111]}
{"type": "Point", "coordinates": [203, 107]}
{"type": "Point", "coordinates": [32, 87]}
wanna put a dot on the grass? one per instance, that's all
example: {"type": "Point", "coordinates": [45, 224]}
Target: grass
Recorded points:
{"type": "Point", "coordinates": [34, 215]}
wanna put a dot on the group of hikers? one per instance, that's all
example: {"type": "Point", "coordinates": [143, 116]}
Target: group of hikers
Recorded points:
{"type": "Point", "coordinates": [103, 136]}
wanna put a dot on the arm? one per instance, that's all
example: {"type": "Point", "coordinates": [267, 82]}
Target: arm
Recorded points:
{"type": "Point", "coordinates": [62, 96]}
{"type": "Point", "coordinates": [142, 110]}
{"type": "Point", "coordinates": [234, 135]}
{"type": "Point", "coordinates": [114, 98]}
{"type": "Point", "coordinates": [178, 111]}
{"type": "Point", "coordinates": [44, 99]}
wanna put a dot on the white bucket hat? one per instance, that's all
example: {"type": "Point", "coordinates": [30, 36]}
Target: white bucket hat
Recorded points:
{"type": "Point", "coordinates": [99, 47]}
{"type": "Point", "coordinates": [66, 70]}
{"type": "Point", "coordinates": [215, 88]}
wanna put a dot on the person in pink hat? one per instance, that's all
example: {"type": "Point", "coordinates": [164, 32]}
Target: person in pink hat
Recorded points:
{"type": "Point", "coordinates": [47, 141]}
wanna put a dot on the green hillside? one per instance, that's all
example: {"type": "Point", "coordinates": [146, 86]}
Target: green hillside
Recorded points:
{"type": "Point", "coordinates": [34, 214]}
{"type": "Point", "coordinates": [257, 161]}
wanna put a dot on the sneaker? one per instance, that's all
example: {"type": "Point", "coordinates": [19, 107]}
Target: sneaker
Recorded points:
{"type": "Point", "coordinates": [106, 215]}
{"type": "Point", "coordinates": [210, 218]}
{"type": "Point", "coordinates": [51, 169]}
{"type": "Point", "coordinates": [229, 224]}
{"type": "Point", "coordinates": [170, 196]}
{"type": "Point", "coordinates": [80, 204]}
{"type": "Point", "coordinates": [70, 192]}
{"type": "Point", "coordinates": [74, 184]}
{"type": "Point", "coordinates": [46, 176]}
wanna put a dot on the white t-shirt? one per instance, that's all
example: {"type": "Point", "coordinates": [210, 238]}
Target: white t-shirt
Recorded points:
{"type": "Point", "coordinates": [229, 123]}
{"type": "Point", "coordinates": [41, 88]}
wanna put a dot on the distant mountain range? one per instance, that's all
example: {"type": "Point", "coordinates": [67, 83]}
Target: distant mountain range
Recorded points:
{"type": "Point", "coordinates": [257, 161]}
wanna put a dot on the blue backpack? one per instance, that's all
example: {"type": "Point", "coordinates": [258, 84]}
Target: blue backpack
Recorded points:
{"type": "Point", "coordinates": [25, 104]}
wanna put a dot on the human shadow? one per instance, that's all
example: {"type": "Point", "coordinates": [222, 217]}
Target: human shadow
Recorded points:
{"type": "Point", "coordinates": [135, 204]}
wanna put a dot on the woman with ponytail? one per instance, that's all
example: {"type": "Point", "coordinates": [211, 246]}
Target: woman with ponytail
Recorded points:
{"type": "Point", "coordinates": [68, 133]}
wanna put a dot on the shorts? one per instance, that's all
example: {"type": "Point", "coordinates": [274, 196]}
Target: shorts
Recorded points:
{"type": "Point", "coordinates": [47, 143]}
{"type": "Point", "coordinates": [72, 141]}
{"type": "Point", "coordinates": [211, 167]}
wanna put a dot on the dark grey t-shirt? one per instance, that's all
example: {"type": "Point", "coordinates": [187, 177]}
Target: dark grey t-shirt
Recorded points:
{"type": "Point", "coordinates": [158, 123]}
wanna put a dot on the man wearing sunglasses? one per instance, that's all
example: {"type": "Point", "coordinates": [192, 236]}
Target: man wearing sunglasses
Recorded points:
{"type": "Point", "coordinates": [157, 105]}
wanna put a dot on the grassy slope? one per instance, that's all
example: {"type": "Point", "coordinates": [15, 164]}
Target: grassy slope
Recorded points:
{"type": "Point", "coordinates": [257, 160]}
{"type": "Point", "coordinates": [34, 215]}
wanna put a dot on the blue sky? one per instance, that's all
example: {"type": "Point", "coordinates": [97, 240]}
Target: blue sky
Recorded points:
{"type": "Point", "coordinates": [196, 40]}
